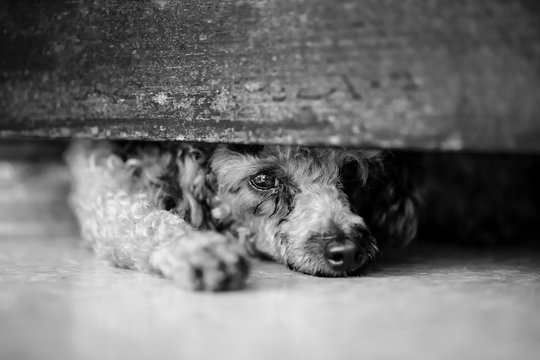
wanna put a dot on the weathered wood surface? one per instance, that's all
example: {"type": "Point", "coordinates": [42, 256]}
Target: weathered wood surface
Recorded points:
{"type": "Point", "coordinates": [410, 73]}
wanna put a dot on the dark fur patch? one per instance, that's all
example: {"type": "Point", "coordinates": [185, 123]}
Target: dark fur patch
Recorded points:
{"type": "Point", "coordinates": [283, 238]}
{"type": "Point", "coordinates": [256, 210]}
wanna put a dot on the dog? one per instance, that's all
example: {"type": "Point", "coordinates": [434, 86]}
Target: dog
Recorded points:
{"type": "Point", "coordinates": [195, 213]}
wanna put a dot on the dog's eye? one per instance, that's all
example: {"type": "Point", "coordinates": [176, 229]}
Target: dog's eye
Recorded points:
{"type": "Point", "coordinates": [264, 181]}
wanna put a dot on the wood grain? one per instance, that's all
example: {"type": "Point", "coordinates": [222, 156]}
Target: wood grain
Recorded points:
{"type": "Point", "coordinates": [400, 74]}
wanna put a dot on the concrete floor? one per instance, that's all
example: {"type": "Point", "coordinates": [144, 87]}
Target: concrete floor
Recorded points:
{"type": "Point", "coordinates": [57, 302]}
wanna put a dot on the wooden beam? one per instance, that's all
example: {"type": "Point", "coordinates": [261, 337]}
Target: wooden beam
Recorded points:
{"type": "Point", "coordinates": [402, 74]}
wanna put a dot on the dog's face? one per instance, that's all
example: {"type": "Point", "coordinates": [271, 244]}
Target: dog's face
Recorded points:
{"type": "Point", "coordinates": [293, 200]}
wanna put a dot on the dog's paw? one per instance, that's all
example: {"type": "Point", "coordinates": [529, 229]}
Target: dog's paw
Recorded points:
{"type": "Point", "coordinates": [206, 261]}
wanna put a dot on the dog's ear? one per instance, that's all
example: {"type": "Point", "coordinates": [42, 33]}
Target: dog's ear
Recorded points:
{"type": "Point", "coordinates": [389, 199]}
{"type": "Point", "coordinates": [197, 184]}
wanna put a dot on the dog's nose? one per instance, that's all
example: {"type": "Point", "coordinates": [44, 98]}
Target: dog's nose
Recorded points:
{"type": "Point", "coordinates": [343, 255]}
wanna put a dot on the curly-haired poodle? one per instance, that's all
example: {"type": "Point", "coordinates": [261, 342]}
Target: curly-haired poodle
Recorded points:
{"type": "Point", "coordinates": [195, 212]}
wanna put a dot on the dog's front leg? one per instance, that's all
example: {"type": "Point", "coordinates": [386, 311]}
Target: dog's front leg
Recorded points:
{"type": "Point", "coordinates": [147, 239]}
{"type": "Point", "coordinates": [161, 242]}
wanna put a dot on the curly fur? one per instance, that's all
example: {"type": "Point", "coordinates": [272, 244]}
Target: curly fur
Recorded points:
{"type": "Point", "coordinates": [191, 213]}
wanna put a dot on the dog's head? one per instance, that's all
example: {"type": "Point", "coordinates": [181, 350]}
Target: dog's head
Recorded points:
{"type": "Point", "coordinates": [294, 202]}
